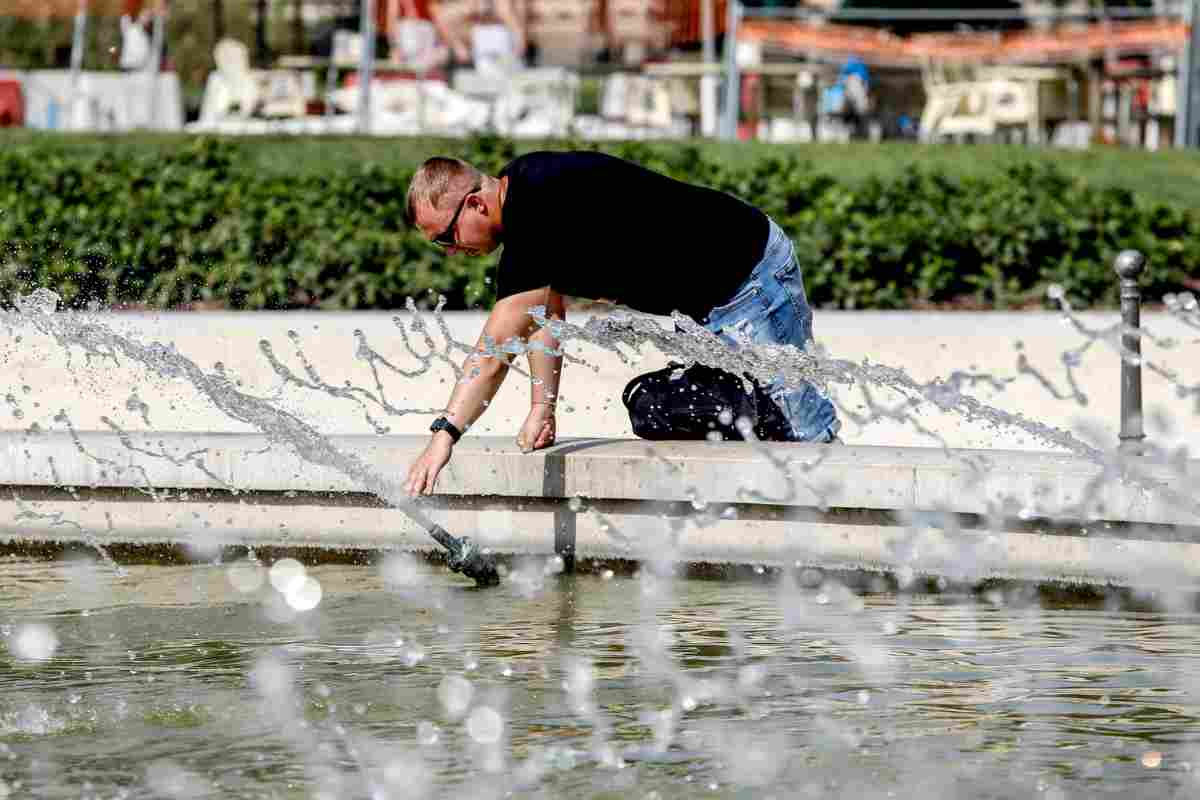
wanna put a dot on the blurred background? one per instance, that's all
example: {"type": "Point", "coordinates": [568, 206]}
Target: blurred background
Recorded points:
{"type": "Point", "coordinates": [1066, 74]}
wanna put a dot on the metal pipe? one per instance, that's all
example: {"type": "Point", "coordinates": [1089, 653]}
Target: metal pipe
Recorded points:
{"type": "Point", "coordinates": [733, 82]}
{"type": "Point", "coordinates": [260, 34]}
{"type": "Point", "coordinates": [708, 83]}
{"type": "Point", "coordinates": [218, 12]}
{"type": "Point", "coordinates": [158, 42]}
{"type": "Point", "coordinates": [366, 64]}
{"type": "Point", "coordinates": [1183, 70]}
{"type": "Point", "coordinates": [1129, 266]}
{"type": "Point", "coordinates": [1187, 121]}
{"type": "Point", "coordinates": [78, 44]}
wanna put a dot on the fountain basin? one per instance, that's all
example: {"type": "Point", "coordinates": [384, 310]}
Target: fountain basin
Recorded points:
{"type": "Point", "coordinates": [962, 514]}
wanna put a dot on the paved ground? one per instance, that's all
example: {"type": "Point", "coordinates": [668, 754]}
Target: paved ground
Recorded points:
{"type": "Point", "coordinates": [925, 345]}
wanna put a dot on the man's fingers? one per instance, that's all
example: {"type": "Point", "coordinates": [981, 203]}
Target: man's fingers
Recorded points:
{"type": "Point", "coordinates": [415, 484]}
{"type": "Point", "coordinates": [430, 479]}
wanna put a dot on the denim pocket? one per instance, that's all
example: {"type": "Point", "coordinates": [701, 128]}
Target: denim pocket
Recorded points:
{"type": "Point", "coordinates": [792, 281]}
{"type": "Point", "coordinates": [749, 294]}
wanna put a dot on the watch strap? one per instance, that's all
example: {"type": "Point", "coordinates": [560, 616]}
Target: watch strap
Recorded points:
{"type": "Point", "coordinates": [443, 424]}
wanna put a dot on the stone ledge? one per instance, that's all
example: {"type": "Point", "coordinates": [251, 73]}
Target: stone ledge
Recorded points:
{"type": "Point", "coordinates": [985, 482]}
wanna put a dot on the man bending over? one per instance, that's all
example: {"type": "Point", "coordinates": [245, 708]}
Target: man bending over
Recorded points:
{"type": "Point", "coordinates": [590, 225]}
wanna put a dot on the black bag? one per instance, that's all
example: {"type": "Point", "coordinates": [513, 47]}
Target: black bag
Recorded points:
{"type": "Point", "coordinates": [693, 402]}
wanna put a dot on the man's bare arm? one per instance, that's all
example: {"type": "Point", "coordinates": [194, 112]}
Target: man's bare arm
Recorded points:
{"type": "Point", "coordinates": [546, 369]}
{"type": "Point", "coordinates": [484, 373]}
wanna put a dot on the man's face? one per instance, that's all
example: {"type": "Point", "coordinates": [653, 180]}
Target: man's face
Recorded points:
{"type": "Point", "coordinates": [462, 225]}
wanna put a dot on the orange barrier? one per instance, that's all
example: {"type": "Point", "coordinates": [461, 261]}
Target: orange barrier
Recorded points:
{"type": "Point", "coordinates": [881, 47]}
{"type": "Point", "coordinates": [44, 9]}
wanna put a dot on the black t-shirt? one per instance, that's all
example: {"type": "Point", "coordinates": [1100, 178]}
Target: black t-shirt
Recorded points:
{"type": "Point", "coordinates": [591, 225]}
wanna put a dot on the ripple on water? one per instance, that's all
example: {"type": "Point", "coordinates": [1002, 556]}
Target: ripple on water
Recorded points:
{"type": "Point", "coordinates": [591, 685]}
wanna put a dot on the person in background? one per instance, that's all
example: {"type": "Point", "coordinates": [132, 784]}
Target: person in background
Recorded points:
{"type": "Point", "coordinates": [477, 28]}
{"type": "Point", "coordinates": [416, 43]}
{"type": "Point", "coordinates": [135, 42]}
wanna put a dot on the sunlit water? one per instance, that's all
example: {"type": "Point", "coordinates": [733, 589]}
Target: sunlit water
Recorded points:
{"type": "Point", "coordinates": [399, 680]}
{"type": "Point", "coordinates": [206, 681]}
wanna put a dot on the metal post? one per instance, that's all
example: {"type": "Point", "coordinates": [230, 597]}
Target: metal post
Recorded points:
{"type": "Point", "coordinates": [708, 83]}
{"type": "Point", "coordinates": [260, 34]}
{"type": "Point", "coordinates": [78, 44]}
{"type": "Point", "coordinates": [1129, 266]}
{"type": "Point", "coordinates": [366, 64]}
{"type": "Point", "coordinates": [733, 83]}
{"type": "Point", "coordinates": [158, 42]}
{"type": "Point", "coordinates": [218, 10]}
{"type": "Point", "coordinates": [1189, 109]}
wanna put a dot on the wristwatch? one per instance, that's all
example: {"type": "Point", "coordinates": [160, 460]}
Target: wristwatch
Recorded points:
{"type": "Point", "coordinates": [443, 424]}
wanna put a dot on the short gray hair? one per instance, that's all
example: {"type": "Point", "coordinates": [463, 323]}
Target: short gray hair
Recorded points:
{"type": "Point", "coordinates": [434, 179]}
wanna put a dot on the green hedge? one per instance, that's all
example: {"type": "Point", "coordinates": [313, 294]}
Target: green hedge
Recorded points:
{"type": "Point", "coordinates": [200, 224]}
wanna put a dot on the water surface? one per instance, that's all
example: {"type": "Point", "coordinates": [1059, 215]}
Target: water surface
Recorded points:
{"type": "Point", "coordinates": [404, 681]}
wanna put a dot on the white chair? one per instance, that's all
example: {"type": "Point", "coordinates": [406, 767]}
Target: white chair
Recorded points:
{"type": "Point", "coordinates": [648, 103]}
{"type": "Point", "coordinates": [614, 103]}
{"type": "Point", "coordinates": [135, 45]}
{"type": "Point", "coordinates": [494, 49]}
{"type": "Point", "coordinates": [283, 94]}
{"type": "Point", "coordinates": [967, 112]}
{"type": "Point", "coordinates": [347, 47]}
{"type": "Point", "coordinates": [415, 45]}
{"type": "Point", "coordinates": [537, 102]}
{"type": "Point", "coordinates": [231, 85]}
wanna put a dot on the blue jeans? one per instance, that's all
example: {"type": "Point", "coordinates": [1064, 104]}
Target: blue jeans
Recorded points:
{"type": "Point", "coordinates": [770, 307]}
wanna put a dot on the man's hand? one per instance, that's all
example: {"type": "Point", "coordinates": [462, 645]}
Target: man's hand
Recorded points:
{"type": "Point", "coordinates": [538, 430]}
{"type": "Point", "coordinates": [423, 474]}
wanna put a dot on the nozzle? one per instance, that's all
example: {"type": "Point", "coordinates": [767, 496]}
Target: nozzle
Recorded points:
{"type": "Point", "coordinates": [466, 557]}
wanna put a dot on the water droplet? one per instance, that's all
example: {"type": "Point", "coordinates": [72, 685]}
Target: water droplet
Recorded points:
{"type": "Point", "coordinates": [401, 570]}
{"type": "Point", "coordinates": [485, 725]}
{"type": "Point", "coordinates": [285, 572]}
{"type": "Point", "coordinates": [455, 692]}
{"type": "Point", "coordinates": [427, 733]}
{"type": "Point", "coordinates": [33, 642]}
{"type": "Point", "coordinates": [304, 595]}
{"type": "Point", "coordinates": [246, 576]}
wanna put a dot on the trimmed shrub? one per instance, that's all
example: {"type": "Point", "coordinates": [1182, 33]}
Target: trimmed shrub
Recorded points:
{"type": "Point", "coordinates": [199, 225]}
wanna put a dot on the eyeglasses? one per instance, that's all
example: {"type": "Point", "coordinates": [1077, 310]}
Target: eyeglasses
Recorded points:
{"type": "Point", "coordinates": [446, 238]}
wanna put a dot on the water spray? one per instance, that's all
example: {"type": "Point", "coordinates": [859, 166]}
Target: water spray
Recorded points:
{"type": "Point", "coordinates": [100, 342]}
